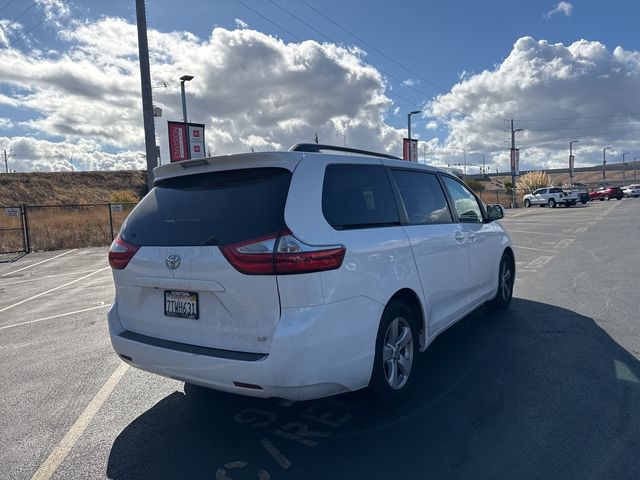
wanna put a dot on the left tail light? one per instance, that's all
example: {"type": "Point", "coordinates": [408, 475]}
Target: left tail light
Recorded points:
{"type": "Point", "coordinates": [121, 253]}
{"type": "Point", "coordinates": [280, 254]}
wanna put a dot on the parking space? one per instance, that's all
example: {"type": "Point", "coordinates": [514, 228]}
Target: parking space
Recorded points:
{"type": "Point", "coordinates": [547, 389]}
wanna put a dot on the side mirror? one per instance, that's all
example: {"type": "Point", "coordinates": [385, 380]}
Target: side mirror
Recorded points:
{"type": "Point", "coordinates": [495, 212]}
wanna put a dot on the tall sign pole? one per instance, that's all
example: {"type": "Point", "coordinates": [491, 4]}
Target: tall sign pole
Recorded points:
{"type": "Point", "coordinates": [514, 165]}
{"type": "Point", "coordinates": [147, 100]}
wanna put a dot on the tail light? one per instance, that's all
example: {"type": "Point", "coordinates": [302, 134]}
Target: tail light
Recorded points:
{"type": "Point", "coordinates": [280, 254]}
{"type": "Point", "coordinates": [121, 253]}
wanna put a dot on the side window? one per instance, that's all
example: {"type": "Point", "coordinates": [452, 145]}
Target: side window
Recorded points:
{"type": "Point", "coordinates": [464, 201]}
{"type": "Point", "coordinates": [422, 196]}
{"type": "Point", "coordinates": [358, 196]}
{"type": "Point", "coordinates": [537, 192]}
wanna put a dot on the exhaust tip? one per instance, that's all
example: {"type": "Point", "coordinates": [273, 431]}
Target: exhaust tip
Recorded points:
{"type": "Point", "coordinates": [126, 358]}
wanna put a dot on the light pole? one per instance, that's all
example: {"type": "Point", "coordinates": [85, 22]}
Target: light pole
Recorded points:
{"type": "Point", "coordinates": [184, 78]}
{"type": "Point", "coordinates": [625, 153]}
{"type": "Point", "coordinates": [344, 137]}
{"type": "Point", "coordinates": [483, 171]}
{"type": "Point", "coordinates": [571, 161]}
{"type": "Point", "coordinates": [409, 122]}
{"type": "Point", "coordinates": [604, 165]}
{"type": "Point", "coordinates": [634, 168]}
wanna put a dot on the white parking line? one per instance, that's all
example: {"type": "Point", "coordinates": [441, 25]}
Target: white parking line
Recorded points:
{"type": "Point", "coordinates": [536, 249]}
{"type": "Point", "coordinates": [56, 457]}
{"type": "Point", "coordinates": [54, 316]}
{"type": "Point", "coordinates": [538, 233]}
{"type": "Point", "coordinates": [44, 277]}
{"type": "Point", "coordinates": [34, 264]}
{"type": "Point", "coordinates": [33, 297]}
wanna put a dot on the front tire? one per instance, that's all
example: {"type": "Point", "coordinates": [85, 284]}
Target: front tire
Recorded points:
{"type": "Point", "coordinates": [506, 279]}
{"type": "Point", "coordinates": [527, 203]}
{"type": "Point", "coordinates": [394, 365]}
{"type": "Point", "coordinates": [552, 203]}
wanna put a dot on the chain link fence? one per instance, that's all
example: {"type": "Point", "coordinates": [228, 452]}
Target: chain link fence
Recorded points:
{"type": "Point", "coordinates": [26, 228]}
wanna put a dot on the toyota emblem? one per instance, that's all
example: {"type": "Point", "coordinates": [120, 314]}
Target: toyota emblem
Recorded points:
{"type": "Point", "coordinates": [173, 261]}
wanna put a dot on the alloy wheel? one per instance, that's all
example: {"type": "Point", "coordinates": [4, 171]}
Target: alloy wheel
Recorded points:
{"type": "Point", "coordinates": [397, 353]}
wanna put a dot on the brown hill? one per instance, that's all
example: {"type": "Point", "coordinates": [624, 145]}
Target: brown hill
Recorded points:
{"type": "Point", "coordinates": [64, 188]}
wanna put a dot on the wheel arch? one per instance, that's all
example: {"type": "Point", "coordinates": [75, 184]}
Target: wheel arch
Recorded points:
{"type": "Point", "coordinates": [413, 301]}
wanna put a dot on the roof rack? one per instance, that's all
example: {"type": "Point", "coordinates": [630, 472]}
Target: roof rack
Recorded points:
{"type": "Point", "coordinates": [316, 148]}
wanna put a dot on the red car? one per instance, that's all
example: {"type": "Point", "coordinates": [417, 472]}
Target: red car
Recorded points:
{"type": "Point", "coordinates": [607, 193]}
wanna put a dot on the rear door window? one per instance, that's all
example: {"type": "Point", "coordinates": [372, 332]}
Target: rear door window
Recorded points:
{"type": "Point", "coordinates": [423, 197]}
{"type": "Point", "coordinates": [358, 196]}
{"type": "Point", "coordinates": [214, 208]}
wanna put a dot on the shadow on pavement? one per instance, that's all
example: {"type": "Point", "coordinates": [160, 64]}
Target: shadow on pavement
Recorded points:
{"type": "Point", "coordinates": [537, 392]}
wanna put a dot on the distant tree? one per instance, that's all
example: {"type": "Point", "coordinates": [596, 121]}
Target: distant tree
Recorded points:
{"type": "Point", "coordinates": [533, 180]}
{"type": "Point", "coordinates": [508, 186]}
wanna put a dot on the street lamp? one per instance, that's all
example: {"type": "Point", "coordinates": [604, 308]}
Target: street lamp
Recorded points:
{"type": "Point", "coordinates": [634, 168]}
{"type": "Point", "coordinates": [184, 78]}
{"type": "Point", "coordinates": [344, 137]}
{"type": "Point", "coordinates": [625, 153]}
{"type": "Point", "coordinates": [604, 166]}
{"type": "Point", "coordinates": [571, 161]}
{"type": "Point", "coordinates": [409, 122]}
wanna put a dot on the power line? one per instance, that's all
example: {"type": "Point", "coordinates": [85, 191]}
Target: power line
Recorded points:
{"type": "Point", "coordinates": [6, 27]}
{"type": "Point", "coordinates": [320, 50]}
{"type": "Point", "coordinates": [38, 24]}
{"type": "Point", "coordinates": [391, 59]}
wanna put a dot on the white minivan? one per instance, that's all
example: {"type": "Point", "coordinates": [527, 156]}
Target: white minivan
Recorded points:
{"type": "Point", "coordinates": [301, 274]}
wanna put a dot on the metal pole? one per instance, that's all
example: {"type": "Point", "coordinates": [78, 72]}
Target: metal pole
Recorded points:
{"type": "Point", "coordinates": [625, 153]}
{"type": "Point", "coordinates": [514, 201]}
{"type": "Point", "coordinates": [6, 165]}
{"type": "Point", "coordinates": [409, 128]}
{"type": "Point", "coordinates": [147, 99]}
{"type": "Point", "coordinates": [27, 242]}
{"type": "Point", "coordinates": [110, 220]}
{"type": "Point", "coordinates": [634, 169]}
{"type": "Point", "coordinates": [604, 166]}
{"type": "Point", "coordinates": [571, 164]}
{"type": "Point", "coordinates": [184, 102]}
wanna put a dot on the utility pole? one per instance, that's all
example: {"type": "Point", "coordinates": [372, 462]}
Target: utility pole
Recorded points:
{"type": "Point", "coordinates": [571, 161]}
{"type": "Point", "coordinates": [604, 166]}
{"type": "Point", "coordinates": [147, 100]}
{"type": "Point", "coordinates": [514, 159]}
{"type": "Point", "coordinates": [634, 169]}
{"type": "Point", "coordinates": [6, 163]}
{"type": "Point", "coordinates": [623, 180]}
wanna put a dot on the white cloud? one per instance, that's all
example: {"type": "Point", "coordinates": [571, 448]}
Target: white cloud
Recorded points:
{"type": "Point", "coordinates": [7, 28]}
{"type": "Point", "coordinates": [250, 89]}
{"type": "Point", "coordinates": [410, 82]}
{"type": "Point", "coordinates": [432, 125]}
{"type": "Point", "coordinates": [241, 23]}
{"type": "Point", "coordinates": [556, 93]}
{"type": "Point", "coordinates": [564, 8]}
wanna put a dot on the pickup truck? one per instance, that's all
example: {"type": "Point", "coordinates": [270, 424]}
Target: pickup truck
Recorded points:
{"type": "Point", "coordinates": [551, 196]}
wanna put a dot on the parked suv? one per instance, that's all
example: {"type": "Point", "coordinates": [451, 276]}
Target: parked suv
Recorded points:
{"type": "Point", "coordinates": [301, 274]}
{"type": "Point", "coordinates": [607, 193]}
{"type": "Point", "coordinates": [631, 191]}
{"type": "Point", "coordinates": [550, 196]}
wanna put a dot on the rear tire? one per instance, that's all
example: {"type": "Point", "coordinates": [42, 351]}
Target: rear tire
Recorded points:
{"type": "Point", "coordinates": [552, 203]}
{"type": "Point", "coordinates": [506, 279]}
{"type": "Point", "coordinates": [394, 365]}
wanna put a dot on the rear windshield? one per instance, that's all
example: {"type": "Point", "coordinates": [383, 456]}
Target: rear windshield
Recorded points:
{"type": "Point", "coordinates": [214, 208]}
{"type": "Point", "coordinates": [555, 190]}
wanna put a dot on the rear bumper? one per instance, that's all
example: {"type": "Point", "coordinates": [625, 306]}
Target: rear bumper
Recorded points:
{"type": "Point", "coordinates": [316, 352]}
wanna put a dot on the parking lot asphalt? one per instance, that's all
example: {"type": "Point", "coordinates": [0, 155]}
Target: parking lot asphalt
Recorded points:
{"type": "Point", "coordinates": [547, 389]}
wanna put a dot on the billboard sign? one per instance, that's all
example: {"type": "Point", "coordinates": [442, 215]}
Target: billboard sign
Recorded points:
{"type": "Point", "coordinates": [410, 150]}
{"type": "Point", "coordinates": [196, 140]}
{"type": "Point", "coordinates": [178, 141]}
{"type": "Point", "coordinates": [186, 141]}
{"type": "Point", "coordinates": [572, 159]}
{"type": "Point", "coordinates": [515, 161]}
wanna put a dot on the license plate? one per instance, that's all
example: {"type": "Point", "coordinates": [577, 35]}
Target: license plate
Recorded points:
{"type": "Point", "coordinates": [181, 304]}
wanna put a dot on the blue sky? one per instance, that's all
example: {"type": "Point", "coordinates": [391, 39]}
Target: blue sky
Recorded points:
{"type": "Point", "coordinates": [443, 45]}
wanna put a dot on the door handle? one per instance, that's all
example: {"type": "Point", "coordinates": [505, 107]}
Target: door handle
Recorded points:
{"type": "Point", "coordinates": [471, 237]}
{"type": "Point", "coordinates": [460, 237]}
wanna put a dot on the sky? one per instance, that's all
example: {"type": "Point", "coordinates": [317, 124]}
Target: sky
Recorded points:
{"type": "Point", "coordinates": [272, 73]}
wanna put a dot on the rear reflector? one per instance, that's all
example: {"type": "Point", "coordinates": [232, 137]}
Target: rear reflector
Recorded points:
{"type": "Point", "coordinates": [121, 253]}
{"type": "Point", "coordinates": [281, 254]}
